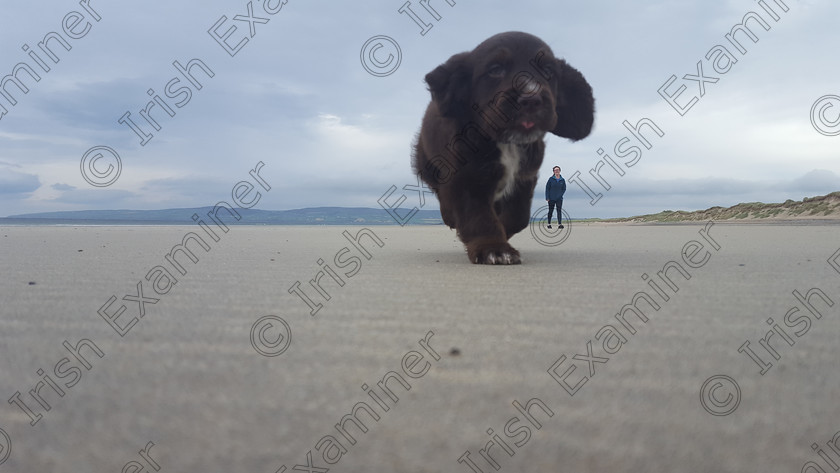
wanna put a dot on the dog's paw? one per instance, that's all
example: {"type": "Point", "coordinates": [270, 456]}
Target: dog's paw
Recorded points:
{"type": "Point", "coordinates": [493, 253]}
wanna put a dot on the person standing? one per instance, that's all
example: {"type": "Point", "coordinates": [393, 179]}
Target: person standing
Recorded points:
{"type": "Point", "coordinates": [554, 190]}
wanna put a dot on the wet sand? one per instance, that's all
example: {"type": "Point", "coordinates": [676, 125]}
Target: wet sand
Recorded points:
{"type": "Point", "coordinates": [280, 344]}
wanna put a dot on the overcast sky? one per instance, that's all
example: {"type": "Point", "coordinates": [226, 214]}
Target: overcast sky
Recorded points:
{"type": "Point", "coordinates": [297, 97]}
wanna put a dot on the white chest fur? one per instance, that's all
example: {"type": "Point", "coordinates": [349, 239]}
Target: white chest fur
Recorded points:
{"type": "Point", "coordinates": [510, 159]}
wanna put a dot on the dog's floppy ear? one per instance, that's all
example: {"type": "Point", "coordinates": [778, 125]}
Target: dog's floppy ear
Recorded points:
{"type": "Point", "coordinates": [449, 84]}
{"type": "Point", "coordinates": [575, 104]}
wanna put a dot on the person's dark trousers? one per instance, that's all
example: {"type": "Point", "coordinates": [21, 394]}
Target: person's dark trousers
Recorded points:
{"type": "Point", "coordinates": [559, 204]}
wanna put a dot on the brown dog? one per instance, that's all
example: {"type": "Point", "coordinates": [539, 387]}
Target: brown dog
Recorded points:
{"type": "Point", "coordinates": [481, 143]}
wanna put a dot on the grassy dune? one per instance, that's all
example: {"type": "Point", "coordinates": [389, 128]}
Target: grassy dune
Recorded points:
{"type": "Point", "coordinates": [820, 207]}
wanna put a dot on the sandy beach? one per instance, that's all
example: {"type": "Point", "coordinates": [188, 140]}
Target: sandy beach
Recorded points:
{"type": "Point", "coordinates": [612, 348]}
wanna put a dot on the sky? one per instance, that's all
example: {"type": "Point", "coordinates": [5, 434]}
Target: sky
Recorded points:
{"type": "Point", "coordinates": [290, 89]}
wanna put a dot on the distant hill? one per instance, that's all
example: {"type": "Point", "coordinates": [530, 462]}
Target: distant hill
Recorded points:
{"type": "Point", "coordinates": [308, 216]}
{"type": "Point", "coordinates": [824, 207]}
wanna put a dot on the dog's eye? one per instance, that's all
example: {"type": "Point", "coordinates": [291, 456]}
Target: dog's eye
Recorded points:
{"type": "Point", "coordinates": [496, 71]}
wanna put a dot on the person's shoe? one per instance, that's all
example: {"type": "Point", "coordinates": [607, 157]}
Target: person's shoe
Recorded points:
{"type": "Point", "coordinates": [549, 225]}
{"type": "Point", "coordinates": [560, 226]}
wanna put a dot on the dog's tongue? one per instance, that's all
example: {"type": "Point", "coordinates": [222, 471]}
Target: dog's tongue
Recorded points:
{"type": "Point", "coordinates": [527, 125]}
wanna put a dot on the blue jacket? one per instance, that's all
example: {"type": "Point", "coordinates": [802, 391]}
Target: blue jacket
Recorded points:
{"type": "Point", "coordinates": [555, 188]}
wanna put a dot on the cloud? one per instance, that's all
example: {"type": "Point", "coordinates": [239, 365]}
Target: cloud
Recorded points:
{"type": "Point", "coordinates": [635, 196]}
{"type": "Point", "coordinates": [15, 182]}
{"type": "Point", "coordinates": [62, 187]}
{"type": "Point", "coordinates": [815, 181]}
{"type": "Point", "coordinates": [361, 140]}
{"type": "Point", "coordinates": [297, 98]}
{"type": "Point", "coordinates": [97, 199]}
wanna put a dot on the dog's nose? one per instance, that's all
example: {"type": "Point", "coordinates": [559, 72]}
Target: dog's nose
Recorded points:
{"type": "Point", "coordinates": [529, 103]}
